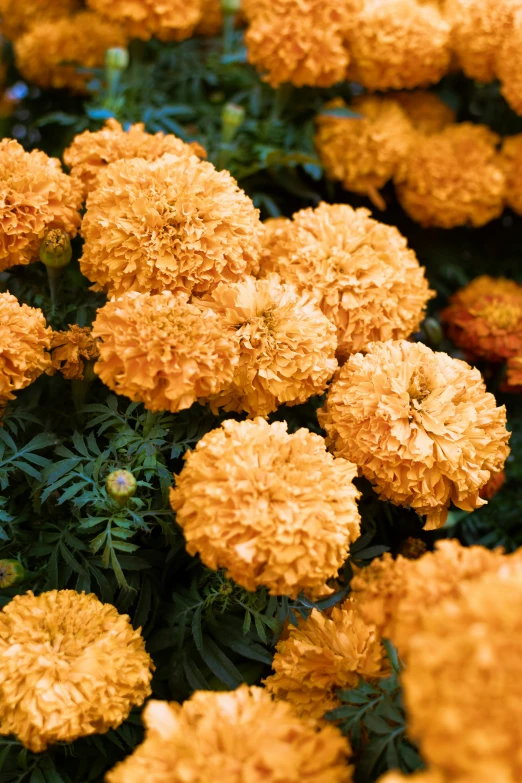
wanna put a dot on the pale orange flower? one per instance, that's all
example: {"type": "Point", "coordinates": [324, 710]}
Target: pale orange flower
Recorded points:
{"type": "Point", "coordinates": [168, 20]}
{"type": "Point", "coordinates": [511, 162]}
{"type": "Point", "coordinates": [509, 61]}
{"type": "Point", "coordinates": [17, 16]}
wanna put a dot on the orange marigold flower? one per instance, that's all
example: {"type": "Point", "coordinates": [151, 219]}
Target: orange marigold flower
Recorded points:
{"type": "Point", "coordinates": [163, 351]}
{"type": "Point", "coordinates": [425, 110]}
{"type": "Point", "coordinates": [170, 224]}
{"type": "Point", "coordinates": [462, 682]}
{"type": "Point", "coordinates": [478, 30]}
{"type": "Point", "coordinates": [71, 350]}
{"type": "Point", "coordinates": [514, 374]}
{"type": "Point", "coordinates": [301, 41]}
{"type": "Point", "coordinates": [17, 17]}
{"type": "Point", "coordinates": [273, 509]}
{"type": "Point", "coordinates": [24, 342]}
{"type": "Point", "coordinates": [83, 39]}
{"type": "Point", "coordinates": [211, 18]}
{"type": "Point", "coordinates": [361, 272]}
{"type": "Point", "coordinates": [485, 318]}
{"type": "Point", "coordinates": [511, 162]}
{"type": "Point", "coordinates": [494, 485]}
{"type": "Point", "coordinates": [169, 20]}
{"type": "Point", "coordinates": [36, 196]}
{"type": "Point", "coordinates": [509, 61]}
{"type": "Point", "coordinates": [395, 594]}
{"type": "Point", "coordinates": [364, 152]}
{"type": "Point", "coordinates": [426, 776]}
{"type": "Point", "coordinates": [399, 44]}
{"type": "Point", "coordinates": [419, 425]}
{"type": "Point", "coordinates": [286, 345]}
{"type": "Point", "coordinates": [244, 735]}
{"type": "Point", "coordinates": [70, 666]}
{"type": "Point", "coordinates": [322, 655]}
{"type": "Point", "coordinates": [453, 178]}
{"type": "Point", "coordinates": [90, 152]}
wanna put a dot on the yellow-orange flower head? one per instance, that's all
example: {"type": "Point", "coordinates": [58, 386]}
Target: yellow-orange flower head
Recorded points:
{"type": "Point", "coordinates": [509, 62]}
{"type": "Point", "coordinates": [453, 178]}
{"type": "Point", "coordinates": [478, 30]}
{"type": "Point", "coordinates": [24, 342]}
{"type": "Point", "coordinates": [511, 161]}
{"type": "Point", "coordinates": [322, 655]}
{"type": "Point", "coordinates": [395, 594]}
{"type": "Point", "coordinates": [419, 425]}
{"type": "Point", "coordinates": [90, 152]}
{"type": "Point", "coordinates": [233, 737]}
{"type": "Point", "coordinates": [301, 41]}
{"type": "Point", "coordinates": [70, 666]}
{"type": "Point", "coordinates": [172, 224]}
{"type": "Point", "coordinates": [35, 196]}
{"type": "Point", "coordinates": [425, 110]}
{"type": "Point", "coordinates": [514, 374]}
{"type": "Point", "coordinates": [168, 20]}
{"type": "Point", "coordinates": [18, 17]}
{"type": "Point", "coordinates": [71, 350]}
{"type": "Point", "coordinates": [211, 18]}
{"type": "Point", "coordinates": [399, 44]}
{"type": "Point", "coordinates": [81, 39]}
{"type": "Point", "coordinates": [286, 345]}
{"type": "Point", "coordinates": [462, 683]}
{"type": "Point", "coordinates": [364, 152]}
{"type": "Point", "coordinates": [163, 351]}
{"type": "Point", "coordinates": [273, 509]}
{"type": "Point", "coordinates": [361, 272]}
{"type": "Point", "coordinates": [485, 318]}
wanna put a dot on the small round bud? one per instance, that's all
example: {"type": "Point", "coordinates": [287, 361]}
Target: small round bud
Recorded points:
{"type": "Point", "coordinates": [232, 116]}
{"type": "Point", "coordinates": [433, 331]}
{"type": "Point", "coordinates": [117, 59]}
{"type": "Point", "coordinates": [55, 250]}
{"type": "Point", "coordinates": [230, 6]}
{"type": "Point", "coordinates": [11, 572]}
{"type": "Point", "coordinates": [121, 486]}
{"type": "Point", "coordinates": [412, 548]}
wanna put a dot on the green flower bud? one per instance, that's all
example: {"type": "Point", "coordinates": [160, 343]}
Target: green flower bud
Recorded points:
{"type": "Point", "coordinates": [121, 486]}
{"type": "Point", "coordinates": [230, 6]}
{"type": "Point", "coordinates": [232, 116]}
{"type": "Point", "coordinates": [11, 572]}
{"type": "Point", "coordinates": [433, 331]}
{"type": "Point", "coordinates": [117, 59]}
{"type": "Point", "coordinates": [55, 250]}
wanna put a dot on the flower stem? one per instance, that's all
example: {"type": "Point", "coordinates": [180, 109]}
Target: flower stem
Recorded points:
{"type": "Point", "coordinates": [54, 274]}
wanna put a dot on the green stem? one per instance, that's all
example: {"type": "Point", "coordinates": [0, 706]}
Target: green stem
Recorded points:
{"type": "Point", "coordinates": [54, 274]}
{"type": "Point", "coordinates": [80, 392]}
{"type": "Point", "coordinates": [282, 98]}
{"type": "Point", "coordinates": [228, 33]}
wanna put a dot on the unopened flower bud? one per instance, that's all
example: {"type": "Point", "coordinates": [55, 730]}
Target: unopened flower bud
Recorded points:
{"type": "Point", "coordinates": [55, 250]}
{"type": "Point", "coordinates": [121, 486]}
{"type": "Point", "coordinates": [11, 572]}
{"type": "Point", "coordinates": [433, 331]}
{"type": "Point", "coordinates": [232, 117]}
{"type": "Point", "coordinates": [412, 548]}
{"type": "Point", "coordinates": [117, 59]}
{"type": "Point", "coordinates": [230, 6]}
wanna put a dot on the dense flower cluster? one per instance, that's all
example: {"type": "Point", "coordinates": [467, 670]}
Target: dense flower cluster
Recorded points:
{"type": "Point", "coordinates": [49, 52]}
{"type": "Point", "coordinates": [286, 345]}
{"type": "Point", "coordinates": [419, 425]}
{"type": "Point", "coordinates": [170, 224]}
{"type": "Point", "coordinates": [231, 737]}
{"type": "Point", "coordinates": [249, 484]}
{"type": "Point", "coordinates": [24, 342]}
{"type": "Point", "coordinates": [91, 152]}
{"type": "Point", "coordinates": [169, 20]}
{"type": "Point", "coordinates": [361, 272]}
{"type": "Point", "coordinates": [485, 318]}
{"type": "Point", "coordinates": [36, 196]}
{"type": "Point", "coordinates": [162, 350]}
{"type": "Point", "coordinates": [17, 17]}
{"type": "Point", "coordinates": [71, 351]}
{"type": "Point", "coordinates": [324, 654]}
{"type": "Point", "coordinates": [70, 666]}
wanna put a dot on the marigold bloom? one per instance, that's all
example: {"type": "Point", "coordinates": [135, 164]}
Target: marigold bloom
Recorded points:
{"type": "Point", "coordinates": [169, 20]}
{"type": "Point", "coordinates": [514, 374]}
{"type": "Point", "coordinates": [485, 318]}
{"type": "Point", "coordinates": [70, 350]}
{"type": "Point", "coordinates": [171, 224]}
{"type": "Point", "coordinates": [419, 425]}
{"type": "Point", "coordinates": [273, 509]}
{"type": "Point", "coordinates": [425, 110]}
{"type": "Point", "coordinates": [286, 345]}
{"type": "Point", "coordinates": [494, 485]}
{"type": "Point", "coordinates": [399, 44]}
{"type": "Point", "coordinates": [211, 18]}
{"type": "Point", "coordinates": [70, 666]}
{"type": "Point", "coordinates": [511, 162]}
{"type": "Point", "coordinates": [426, 776]}
{"type": "Point", "coordinates": [90, 152]}
{"type": "Point", "coordinates": [36, 196]}
{"type": "Point", "coordinates": [478, 30]}
{"type": "Point", "coordinates": [364, 152]}
{"type": "Point", "coordinates": [361, 272]}
{"type": "Point", "coordinates": [163, 351]}
{"type": "Point", "coordinates": [82, 39]}
{"type": "Point", "coordinates": [453, 178]}
{"type": "Point", "coordinates": [462, 684]}
{"type": "Point", "coordinates": [233, 736]}
{"type": "Point", "coordinates": [395, 594]}
{"type": "Point", "coordinates": [18, 17]}
{"type": "Point", "coordinates": [301, 41]}
{"type": "Point", "coordinates": [322, 655]}
{"type": "Point", "coordinates": [24, 342]}
{"type": "Point", "coordinates": [509, 61]}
